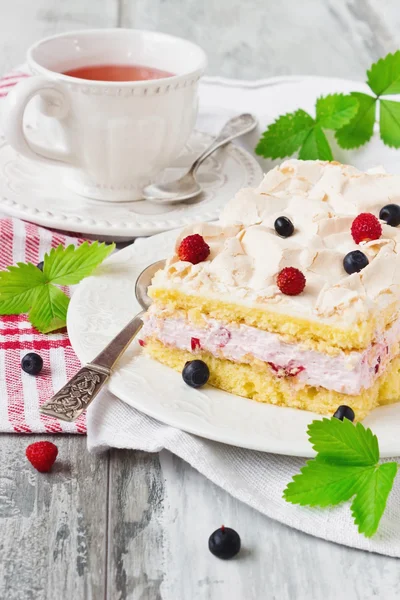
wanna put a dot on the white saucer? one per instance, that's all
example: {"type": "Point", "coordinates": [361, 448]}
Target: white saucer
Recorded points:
{"type": "Point", "coordinates": [104, 303]}
{"type": "Point", "coordinates": [34, 192]}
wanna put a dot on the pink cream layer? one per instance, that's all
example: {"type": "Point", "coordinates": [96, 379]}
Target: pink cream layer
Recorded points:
{"type": "Point", "coordinates": [347, 373]}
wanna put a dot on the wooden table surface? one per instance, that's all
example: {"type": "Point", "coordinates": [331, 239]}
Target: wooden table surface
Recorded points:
{"type": "Point", "coordinates": [129, 525]}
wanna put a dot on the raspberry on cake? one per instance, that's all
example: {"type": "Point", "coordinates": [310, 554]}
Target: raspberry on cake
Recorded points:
{"type": "Point", "coordinates": [365, 228]}
{"type": "Point", "coordinates": [193, 249]}
{"type": "Point", "coordinates": [293, 297]}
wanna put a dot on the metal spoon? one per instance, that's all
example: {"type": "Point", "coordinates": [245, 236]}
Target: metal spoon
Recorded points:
{"type": "Point", "coordinates": [187, 187]}
{"type": "Point", "coordinates": [76, 395]}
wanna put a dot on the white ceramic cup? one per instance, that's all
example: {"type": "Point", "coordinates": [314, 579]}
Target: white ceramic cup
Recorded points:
{"type": "Point", "coordinates": [115, 136]}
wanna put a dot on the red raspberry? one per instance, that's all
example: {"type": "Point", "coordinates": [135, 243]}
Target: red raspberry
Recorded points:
{"type": "Point", "coordinates": [195, 344]}
{"type": "Point", "coordinates": [193, 249]}
{"type": "Point", "coordinates": [366, 227]}
{"type": "Point", "coordinates": [42, 455]}
{"type": "Point", "coordinates": [291, 281]}
{"type": "Point", "coordinates": [142, 343]}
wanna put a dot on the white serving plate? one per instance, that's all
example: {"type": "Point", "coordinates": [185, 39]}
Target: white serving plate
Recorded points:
{"type": "Point", "coordinates": [104, 303]}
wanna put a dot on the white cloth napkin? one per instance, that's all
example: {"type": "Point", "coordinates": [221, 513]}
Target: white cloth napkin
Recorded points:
{"type": "Point", "coordinates": [253, 477]}
{"type": "Point", "coordinates": [256, 478]}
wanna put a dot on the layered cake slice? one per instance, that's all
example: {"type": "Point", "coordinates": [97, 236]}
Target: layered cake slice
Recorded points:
{"type": "Point", "coordinates": [293, 297]}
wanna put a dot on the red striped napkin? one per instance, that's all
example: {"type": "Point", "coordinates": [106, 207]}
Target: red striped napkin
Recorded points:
{"type": "Point", "coordinates": [22, 394]}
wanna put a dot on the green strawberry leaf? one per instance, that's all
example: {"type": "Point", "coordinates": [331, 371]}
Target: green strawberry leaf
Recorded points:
{"type": "Point", "coordinates": [285, 136]}
{"type": "Point", "coordinates": [346, 466]}
{"type": "Point", "coordinates": [322, 483]}
{"type": "Point", "coordinates": [370, 502]}
{"type": "Point", "coordinates": [343, 442]}
{"type": "Point", "coordinates": [361, 127]}
{"type": "Point", "coordinates": [336, 110]}
{"type": "Point", "coordinates": [384, 75]}
{"type": "Point", "coordinates": [315, 146]}
{"type": "Point", "coordinates": [67, 266]}
{"type": "Point", "coordinates": [26, 289]}
{"type": "Point", "coordinates": [18, 288]}
{"type": "Point", "coordinates": [49, 311]}
{"type": "Point", "coordinates": [389, 123]}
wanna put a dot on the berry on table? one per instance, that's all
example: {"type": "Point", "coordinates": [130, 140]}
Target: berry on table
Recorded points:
{"type": "Point", "coordinates": [195, 373]}
{"type": "Point", "coordinates": [194, 249]}
{"type": "Point", "coordinates": [32, 363]}
{"type": "Point", "coordinates": [284, 227]}
{"type": "Point", "coordinates": [355, 261]}
{"type": "Point", "coordinates": [224, 543]}
{"type": "Point", "coordinates": [40, 265]}
{"type": "Point", "coordinates": [390, 214]}
{"type": "Point", "coordinates": [291, 281]}
{"type": "Point", "coordinates": [42, 455]}
{"type": "Point", "coordinates": [344, 412]}
{"type": "Point", "coordinates": [365, 228]}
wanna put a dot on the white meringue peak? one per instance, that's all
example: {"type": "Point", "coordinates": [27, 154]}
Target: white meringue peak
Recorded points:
{"type": "Point", "coordinates": [321, 199]}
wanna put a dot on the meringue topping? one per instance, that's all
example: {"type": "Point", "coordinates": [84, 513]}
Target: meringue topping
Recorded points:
{"type": "Point", "coordinates": [321, 199]}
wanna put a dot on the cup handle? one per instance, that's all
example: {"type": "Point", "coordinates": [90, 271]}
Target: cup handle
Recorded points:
{"type": "Point", "coordinates": [54, 104]}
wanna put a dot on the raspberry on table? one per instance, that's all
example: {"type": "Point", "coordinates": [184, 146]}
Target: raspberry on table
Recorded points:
{"type": "Point", "coordinates": [42, 455]}
{"type": "Point", "coordinates": [366, 227]}
{"type": "Point", "coordinates": [194, 249]}
{"type": "Point", "coordinates": [291, 281]}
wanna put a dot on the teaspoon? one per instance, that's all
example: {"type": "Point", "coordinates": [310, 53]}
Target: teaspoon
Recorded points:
{"type": "Point", "coordinates": [187, 187]}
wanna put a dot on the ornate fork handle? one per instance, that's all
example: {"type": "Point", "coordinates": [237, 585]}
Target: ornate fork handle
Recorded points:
{"type": "Point", "coordinates": [76, 395]}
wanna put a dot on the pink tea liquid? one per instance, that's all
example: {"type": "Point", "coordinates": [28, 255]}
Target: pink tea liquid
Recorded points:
{"type": "Point", "coordinates": [117, 73]}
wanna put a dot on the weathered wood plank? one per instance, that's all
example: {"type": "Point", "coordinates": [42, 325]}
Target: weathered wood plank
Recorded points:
{"type": "Point", "coordinates": [276, 562]}
{"type": "Point", "coordinates": [52, 526]}
{"type": "Point", "coordinates": [25, 21]}
{"type": "Point", "coordinates": [161, 514]}
{"type": "Point", "coordinates": [135, 556]}
{"type": "Point", "coordinates": [262, 38]}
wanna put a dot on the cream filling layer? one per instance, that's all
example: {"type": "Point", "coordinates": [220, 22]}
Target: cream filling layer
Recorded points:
{"type": "Point", "coordinates": [347, 372]}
